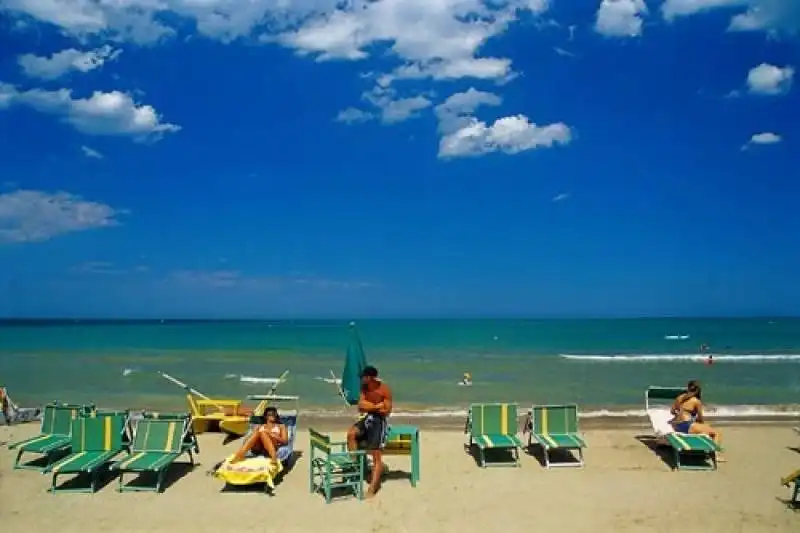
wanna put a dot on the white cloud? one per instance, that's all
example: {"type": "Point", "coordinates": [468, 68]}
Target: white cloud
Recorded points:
{"type": "Point", "coordinates": [352, 115]}
{"type": "Point", "coordinates": [30, 216]}
{"type": "Point", "coordinates": [91, 152]}
{"type": "Point", "coordinates": [464, 135]}
{"type": "Point", "coordinates": [769, 79]}
{"type": "Point", "coordinates": [560, 197]}
{"type": "Point", "coordinates": [112, 113]}
{"type": "Point", "coordinates": [393, 109]}
{"type": "Point", "coordinates": [61, 63]}
{"type": "Point", "coordinates": [389, 108]}
{"type": "Point", "coordinates": [620, 18]}
{"type": "Point", "coordinates": [432, 38]}
{"type": "Point", "coordinates": [763, 138]}
{"type": "Point", "coordinates": [774, 16]}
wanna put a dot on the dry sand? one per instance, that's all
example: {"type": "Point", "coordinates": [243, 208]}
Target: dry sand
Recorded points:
{"type": "Point", "coordinates": [624, 487]}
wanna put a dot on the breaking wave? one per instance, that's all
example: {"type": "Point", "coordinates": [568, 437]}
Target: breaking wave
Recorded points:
{"type": "Point", "coordinates": [668, 357]}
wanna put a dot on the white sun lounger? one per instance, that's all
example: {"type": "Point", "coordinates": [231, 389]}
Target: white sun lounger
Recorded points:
{"type": "Point", "coordinates": [658, 401]}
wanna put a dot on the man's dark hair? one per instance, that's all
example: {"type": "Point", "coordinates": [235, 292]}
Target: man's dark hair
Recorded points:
{"type": "Point", "coordinates": [369, 372]}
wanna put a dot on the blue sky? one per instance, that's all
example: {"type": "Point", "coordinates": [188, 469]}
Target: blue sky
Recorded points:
{"type": "Point", "coordinates": [399, 158]}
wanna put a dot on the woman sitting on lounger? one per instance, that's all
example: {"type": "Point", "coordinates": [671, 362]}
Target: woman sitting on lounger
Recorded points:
{"type": "Point", "coordinates": [688, 414]}
{"type": "Point", "coordinates": [265, 440]}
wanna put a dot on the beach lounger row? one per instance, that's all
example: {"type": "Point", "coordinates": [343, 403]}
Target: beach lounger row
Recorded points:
{"type": "Point", "coordinates": [551, 427]}
{"type": "Point", "coordinates": [84, 441]}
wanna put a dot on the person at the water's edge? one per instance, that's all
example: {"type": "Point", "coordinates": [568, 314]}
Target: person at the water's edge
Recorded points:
{"type": "Point", "coordinates": [269, 436]}
{"type": "Point", "coordinates": [370, 431]}
{"type": "Point", "coordinates": [688, 415]}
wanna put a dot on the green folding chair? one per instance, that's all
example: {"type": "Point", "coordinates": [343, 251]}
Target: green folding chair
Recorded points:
{"type": "Point", "coordinates": [55, 435]}
{"type": "Point", "coordinates": [156, 445]}
{"type": "Point", "coordinates": [493, 426]}
{"type": "Point", "coordinates": [555, 427]}
{"type": "Point", "coordinates": [95, 442]}
{"type": "Point", "coordinates": [332, 466]}
{"type": "Point", "coordinates": [190, 441]}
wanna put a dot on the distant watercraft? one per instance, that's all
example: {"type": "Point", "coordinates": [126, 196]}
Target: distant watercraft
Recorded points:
{"type": "Point", "coordinates": [676, 337]}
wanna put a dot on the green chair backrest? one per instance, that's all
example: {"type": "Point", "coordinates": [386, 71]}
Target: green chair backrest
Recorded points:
{"type": "Point", "coordinates": [556, 419]}
{"type": "Point", "coordinates": [48, 418]}
{"type": "Point", "coordinates": [319, 442]}
{"type": "Point", "coordinates": [493, 419]}
{"type": "Point", "coordinates": [98, 434]}
{"type": "Point", "coordinates": [655, 396]}
{"type": "Point", "coordinates": [63, 415]}
{"type": "Point", "coordinates": [154, 435]}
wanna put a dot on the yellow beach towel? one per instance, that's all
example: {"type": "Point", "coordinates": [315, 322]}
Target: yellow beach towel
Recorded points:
{"type": "Point", "coordinates": [249, 471]}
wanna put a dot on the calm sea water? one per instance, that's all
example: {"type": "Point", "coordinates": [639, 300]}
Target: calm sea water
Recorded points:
{"type": "Point", "coordinates": [600, 364]}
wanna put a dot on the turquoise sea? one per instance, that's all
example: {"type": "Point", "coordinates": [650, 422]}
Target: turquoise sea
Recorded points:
{"type": "Point", "coordinates": [603, 365]}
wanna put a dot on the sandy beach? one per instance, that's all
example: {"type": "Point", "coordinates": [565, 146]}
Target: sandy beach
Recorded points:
{"type": "Point", "coordinates": [625, 487]}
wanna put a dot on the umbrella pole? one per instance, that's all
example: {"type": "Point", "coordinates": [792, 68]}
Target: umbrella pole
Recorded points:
{"type": "Point", "coordinates": [189, 389]}
{"type": "Point", "coordinates": [339, 389]}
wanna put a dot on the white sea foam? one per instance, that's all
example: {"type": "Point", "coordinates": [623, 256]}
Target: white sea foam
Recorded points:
{"type": "Point", "coordinates": [668, 357]}
{"type": "Point", "coordinates": [721, 411]}
{"type": "Point", "coordinates": [256, 379]}
{"type": "Point", "coordinates": [332, 381]}
{"type": "Point", "coordinates": [128, 371]}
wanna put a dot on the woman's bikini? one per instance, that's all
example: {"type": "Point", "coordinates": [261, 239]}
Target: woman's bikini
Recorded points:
{"type": "Point", "coordinates": [683, 426]}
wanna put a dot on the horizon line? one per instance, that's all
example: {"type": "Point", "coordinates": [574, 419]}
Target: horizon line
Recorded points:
{"type": "Point", "coordinates": [30, 319]}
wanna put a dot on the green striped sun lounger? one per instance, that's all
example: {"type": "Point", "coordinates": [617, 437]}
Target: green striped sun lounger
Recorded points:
{"type": "Point", "coordinates": [793, 478]}
{"type": "Point", "coordinates": [555, 427]}
{"type": "Point", "coordinates": [157, 443]}
{"type": "Point", "coordinates": [658, 401]}
{"type": "Point", "coordinates": [493, 426]}
{"type": "Point", "coordinates": [55, 434]}
{"type": "Point", "coordinates": [190, 442]}
{"type": "Point", "coordinates": [95, 442]}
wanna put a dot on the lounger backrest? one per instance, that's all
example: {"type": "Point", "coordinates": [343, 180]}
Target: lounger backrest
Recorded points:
{"type": "Point", "coordinates": [319, 442]}
{"type": "Point", "coordinates": [48, 419]}
{"type": "Point", "coordinates": [291, 427]}
{"type": "Point", "coordinates": [153, 435]}
{"type": "Point", "coordinates": [97, 434]}
{"type": "Point", "coordinates": [493, 419]}
{"type": "Point", "coordinates": [63, 416]}
{"type": "Point", "coordinates": [655, 396]}
{"type": "Point", "coordinates": [556, 419]}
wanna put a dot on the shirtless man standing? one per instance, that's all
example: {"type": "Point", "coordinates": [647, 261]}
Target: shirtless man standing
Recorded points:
{"type": "Point", "coordinates": [370, 431]}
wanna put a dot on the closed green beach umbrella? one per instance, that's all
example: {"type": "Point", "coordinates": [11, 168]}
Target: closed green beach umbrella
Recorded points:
{"type": "Point", "coordinates": [354, 363]}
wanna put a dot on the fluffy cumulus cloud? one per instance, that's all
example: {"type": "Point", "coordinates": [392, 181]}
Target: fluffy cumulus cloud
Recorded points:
{"type": "Point", "coordinates": [464, 135]}
{"type": "Point", "coordinates": [65, 61]}
{"type": "Point", "coordinates": [763, 138]}
{"type": "Point", "coordinates": [620, 18]}
{"type": "Point", "coordinates": [774, 16]}
{"type": "Point", "coordinates": [770, 79]}
{"type": "Point", "coordinates": [437, 40]}
{"type": "Point", "coordinates": [29, 216]}
{"type": "Point", "coordinates": [111, 113]}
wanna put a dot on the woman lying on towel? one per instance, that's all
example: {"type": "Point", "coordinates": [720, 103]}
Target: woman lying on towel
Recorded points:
{"type": "Point", "coordinates": [266, 439]}
{"type": "Point", "coordinates": [688, 414]}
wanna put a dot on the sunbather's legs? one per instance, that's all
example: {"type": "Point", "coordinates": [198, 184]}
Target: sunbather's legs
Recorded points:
{"type": "Point", "coordinates": [377, 472]}
{"type": "Point", "coordinates": [258, 437]}
{"type": "Point", "coordinates": [699, 428]}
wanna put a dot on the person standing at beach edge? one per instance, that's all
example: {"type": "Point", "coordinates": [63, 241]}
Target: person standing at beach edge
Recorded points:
{"type": "Point", "coordinates": [370, 431]}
